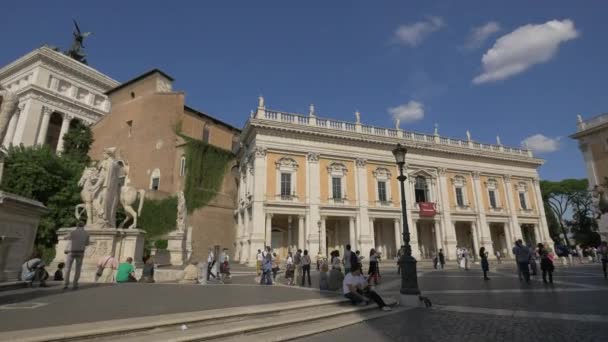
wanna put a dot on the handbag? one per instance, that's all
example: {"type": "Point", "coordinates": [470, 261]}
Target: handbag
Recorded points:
{"type": "Point", "coordinates": [101, 268]}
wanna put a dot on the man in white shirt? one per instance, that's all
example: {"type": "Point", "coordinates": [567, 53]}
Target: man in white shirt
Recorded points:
{"type": "Point", "coordinates": [357, 289]}
{"type": "Point", "coordinates": [258, 262]}
{"type": "Point", "coordinates": [78, 241]}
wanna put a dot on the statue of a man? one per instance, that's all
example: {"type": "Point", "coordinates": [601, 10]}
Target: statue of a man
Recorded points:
{"type": "Point", "coordinates": [107, 190]}
{"type": "Point", "coordinates": [8, 107]}
{"type": "Point", "coordinates": [88, 182]}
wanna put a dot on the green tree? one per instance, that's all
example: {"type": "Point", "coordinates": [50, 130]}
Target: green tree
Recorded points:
{"type": "Point", "coordinates": [560, 197]}
{"type": "Point", "coordinates": [77, 142]}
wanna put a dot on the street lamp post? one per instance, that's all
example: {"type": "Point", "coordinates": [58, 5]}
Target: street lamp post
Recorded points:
{"type": "Point", "coordinates": [409, 279]}
{"type": "Point", "coordinates": [319, 225]}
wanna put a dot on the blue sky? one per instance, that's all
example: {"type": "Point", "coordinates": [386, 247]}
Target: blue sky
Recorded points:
{"type": "Point", "coordinates": [414, 59]}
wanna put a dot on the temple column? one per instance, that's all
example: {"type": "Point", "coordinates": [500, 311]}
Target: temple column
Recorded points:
{"type": "Point", "coordinates": [449, 230]}
{"type": "Point", "coordinates": [20, 126]}
{"type": "Point", "coordinates": [351, 233]}
{"type": "Point", "coordinates": [513, 209]}
{"type": "Point", "coordinates": [545, 235]}
{"type": "Point", "coordinates": [289, 233]}
{"type": "Point", "coordinates": [483, 230]}
{"type": "Point", "coordinates": [300, 233]}
{"type": "Point", "coordinates": [44, 125]}
{"type": "Point", "coordinates": [314, 192]}
{"type": "Point", "coordinates": [65, 126]}
{"type": "Point", "coordinates": [398, 235]}
{"type": "Point", "coordinates": [10, 131]}
{"type": "Point", "coordinates": [323, 237]}
{"type": "Point", "coordinates": [268, 234]}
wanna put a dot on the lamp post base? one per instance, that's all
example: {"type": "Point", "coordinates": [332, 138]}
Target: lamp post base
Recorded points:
{"type": "Point", "coordinates": [410, 301]}
{"type": "Point", "coordinates": [410, 294]}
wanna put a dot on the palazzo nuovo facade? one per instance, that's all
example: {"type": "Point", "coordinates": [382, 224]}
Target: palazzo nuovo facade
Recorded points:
{"type": "Point", "coordinates": [320, 184]}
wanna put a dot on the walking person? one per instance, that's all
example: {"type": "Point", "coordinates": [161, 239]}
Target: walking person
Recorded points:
{"type": "Point", "coordinates": [289, 269]}
{"type": "Point", "coordinates": [347, 260]}
{"type": "Point", "coordinates": [441, 258]}
{"type": "Point", "coordinates": [373, 267]}
{"type": "Point", "coordinates": [465, 259]}
{"type": "Point", "coordinates": [266, 268]}
{"type": "Point", "coordinates": [546, 263]}
{"type": "Point", "coordinates": [306, 268]}
{"type": "Point", "coordinates": [533, 265]}
{"type": "Point", "coordinates": [210, 264]}
{"type": "Point", "coordinates": [78, 241]}
{"type": "Point", "coordinates": [522, 257]}
{"type": "Point", "coordinates": [498, 257]}
{"type": "Point", "coordinates": [436, 261]}
{"type": "Point", "coordinates": [275, 266]}
{"type": "Point", "coordinates": [224, 265]}
{"type": "Point", "coordinates": [485, 265]}
{"type": "Point", "coordinates": [603, 254]}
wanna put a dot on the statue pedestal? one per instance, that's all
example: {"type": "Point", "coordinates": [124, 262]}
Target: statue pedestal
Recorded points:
{"type": "Point", "coordinates": [603, 227]}
{"type": "Point", "coordinates": [19, 218]}
{"type": "Point", "coordinates": [176, 246]}
{"type": "Point", "coordinates": [120, 243]}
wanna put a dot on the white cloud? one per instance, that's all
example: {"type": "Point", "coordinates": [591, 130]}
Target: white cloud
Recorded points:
{"type": "Point", "coordinates": [415, 33]}
{"type": "Point", "coordinates": [540, 143]}
{"type": "Point", "coordinates": [409, 112]}
{"type": "Point", "coordinates": [528, 45]}
{"type": "Point", "coordinates": [480, 34]}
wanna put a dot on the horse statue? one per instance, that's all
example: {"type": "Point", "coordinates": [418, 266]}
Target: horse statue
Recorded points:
{"type": "Point", "coordinates": [128, 196]}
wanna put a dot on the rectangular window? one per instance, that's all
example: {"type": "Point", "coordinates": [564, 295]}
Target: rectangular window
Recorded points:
{"type": "Point", "coordinates": [382, 191]}
{"type": "Point", "coordinates": [155, 183]}
{"type": "Point", "coordinates": [286, 185]}
{"type": "Point", "coordinates": [336, 186]}
{"type": "Point", "coordinates": [420, 195]}
{"type": "Point", "coordinates": [492, 195]}
{"type": "Point", "coordinates": [459, 197]}
{"type": "Point", "coordinates": [522, 201]}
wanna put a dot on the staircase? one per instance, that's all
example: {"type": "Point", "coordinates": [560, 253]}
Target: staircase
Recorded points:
{"type": "Point", "coordinates": [270, 322]}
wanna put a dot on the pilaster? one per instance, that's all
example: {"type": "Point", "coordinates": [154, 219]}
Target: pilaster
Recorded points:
{"type": "Point", "coordinates": [513, 209]}
{"type": "Point", "coordinates": [314, 190]}
{"type": "Point", "coordinates": [447, 225]}
{"type": "Point", "coordinates": [483, 230]}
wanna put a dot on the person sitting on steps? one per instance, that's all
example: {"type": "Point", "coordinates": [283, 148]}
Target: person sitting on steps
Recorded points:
{"type": "Point", "coordinates": [357, 289]}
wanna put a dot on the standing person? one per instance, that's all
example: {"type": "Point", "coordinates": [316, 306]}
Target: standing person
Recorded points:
{"type": "Point", "coordinates": [441, 258]}
{"type": "Point", "coordinates": [297, 261]}
{"type": "Point", "coordinates": [359, 260]}
{"type": "Point", "coordinates": [347, 260]}
{"type": "Point", "coordinates": [224, 265]}
{"type": "Point", "coordinates": [485, 265]}
{"type": "Point", "coordinates": [126, 272]}
{"type": "Point", "coordinates": [289, 269]}
{"type": "Point", "coordinates": [498, 257]}
{"type": "Point", "coordinates": [306, 268]}
{"type": "Point", "coordinates": [267, 268]}
{"type": "Point", "coordinates": [373, 267]}
{"type": "Point", "coordinates": [435, 261]}
{"type": "Point", "coordinates": [106, 267]}
{"type": "Point", "coordinates": [258, 262]}
{"type": "Point", "coordinates": [603, 254]}
{"type": "Point", "coordinates": [33, 270]}
{"type": "Point", "coordinates": [275, 266]}
{"type": "Point", "coordinates": [78, 241]}
{"type": "Point", "coordinates": [533, 265]}
{"type": "Point", "coordinates": [210, 264]}
{"type": "Point", "coordinates": [459, 257]}
{"type": "Point", "coordinates": [579, 253]}
{"type": "Point", "coordinates": [522, 257]}
{"type": "Point", "coordinates": [147, 273]}
{"type": "Point", "coordinates": [335, 274]}
{"type": "Point", "coordinates": [465, 258]}
{"type": "Point", "coordinates": [546, 264]}
{"type": "Point", "coordinates": [357, 289]}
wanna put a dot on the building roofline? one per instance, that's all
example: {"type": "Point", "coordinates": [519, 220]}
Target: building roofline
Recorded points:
{"type": "Point", "coordinates": [138, 78]}
{"type": "Point", "coordinates": [215, 120]}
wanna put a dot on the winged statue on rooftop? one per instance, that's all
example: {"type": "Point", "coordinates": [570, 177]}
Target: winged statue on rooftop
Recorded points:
{"type": "Point", "coordinates": [76, 51]}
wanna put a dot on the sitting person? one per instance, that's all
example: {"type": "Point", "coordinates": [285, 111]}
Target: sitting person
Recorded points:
{"type": "Point", "coordinates": [33, 270]}
{"type": "Point", "coordinates": [126, 272]}
{"type": "Point", "coordinates": [324, 277]}
{"type": "Point", "coordinates": [59, 273]}
{"type": "Point", "coordinates": [106, 269]}
{"type": "Point", "coordinates": [357, 289]}
{"type": "Point", "coordinates": [147, 273]}
{"type": "Point", "coordinates": [191, 273]}
{"type": "Point", "coordinates": [335, 275]}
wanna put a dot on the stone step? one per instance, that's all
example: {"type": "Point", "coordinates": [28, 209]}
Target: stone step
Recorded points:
{"type": "Point", "coordinates": [12, 285]}
{"type": "Point", "coordinates": [149, 325]}
{"type": "Point", "coordinates": [261, 327]}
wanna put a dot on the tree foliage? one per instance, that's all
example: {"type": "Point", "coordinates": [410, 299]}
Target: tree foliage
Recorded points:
{"type": "Point", "coordinates": [77, 142]}
{"type": "Point", "coordinates": [158, 216]}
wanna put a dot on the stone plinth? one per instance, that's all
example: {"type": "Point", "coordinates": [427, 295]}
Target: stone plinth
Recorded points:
{"type": "Point", "coordinates": [603, 227]}
{"type": "Point", "coordinates": [120, 243]}
{"type": "Point", "coordinates": [176, 246]}
{"type": "Point", "coordinates": [19, 217]}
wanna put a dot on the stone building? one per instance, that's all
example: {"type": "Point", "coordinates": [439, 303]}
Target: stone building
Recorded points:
{"type": "Point", "coordinates": [54, 90]}
{"type": "Point", "coordinates": [319, 184]}
{"type": "Point", "coordinates": [142, 126]}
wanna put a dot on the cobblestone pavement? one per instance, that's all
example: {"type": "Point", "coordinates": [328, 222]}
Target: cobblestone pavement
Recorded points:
{"type": "Point", "coordinates": [466, 308]}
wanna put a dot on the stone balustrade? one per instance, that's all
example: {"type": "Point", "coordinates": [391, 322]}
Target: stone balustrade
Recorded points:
{"type": "Point", "coordinates": [593, 122]}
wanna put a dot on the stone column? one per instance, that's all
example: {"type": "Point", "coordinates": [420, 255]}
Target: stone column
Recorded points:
{"type": "Point", "coordinates": [10, 131]}
{"type": "Point", "coordinates": [20, 126]}
{"type": "Point", "coordinates": [589, 164]}
{"type": "Point", "coordinates": [449, 230]}
{"type": "Point", "coordinates": [301, 233]}
{"type": "Point", "coordinates": [476, 239]}
{"type": "Point", "coordinates": [398, 235]}
{"type": "Point", "coordinates": [314, 216]}
{"type": "Point", "coordinates": [437, 229]}
{"type": "Point", "coordinates": [544, 236]}
{"type": "Point", "coordinates": [513, 210]}
{"type": "Point", "coordinates": [44, 125]}
{"type": "Point", "coordinates": [289, 233]}
{"type": "Point", "coordinates": [365, 232]}
{"type": "Point", "coordinates": [483, 230]}
{"type": "Point", "coordinates": [268, 234]}
{"type": "Point", "coordinates": [258, 224]}
{"type": "Point", "coordinates": [351, 233]}
{"type": "Point", "coordinates": [537, 236]}
{"type": "Point", "coordinates": [372, 233]}
{"type": "Point", "coordinates": [65, 126]}
{"type": "Point", "coordinates": [323, 237]}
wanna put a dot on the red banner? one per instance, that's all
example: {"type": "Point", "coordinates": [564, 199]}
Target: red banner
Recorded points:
{"type": "Point", "coordinates": [427, 209]}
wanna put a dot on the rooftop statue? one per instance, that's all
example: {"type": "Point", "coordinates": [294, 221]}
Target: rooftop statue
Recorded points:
{"type": "Point", "coordinates": [8, 107]}
{"type": "Point", "coordinates": [76, 51]}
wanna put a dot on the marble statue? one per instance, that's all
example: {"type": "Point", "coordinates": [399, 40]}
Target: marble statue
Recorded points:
{"type": "Point", "coordinates": [128, 197]}
{"type": "Point", "coordinates": [100, 191]}
{"type": "Point", "coordinates": [261, 101]}
{"type": "Point", "coordinates": [397, 123]}
{"type": "Point", "coordinates": [76, 51]}
{"type": "Point", "coordinates": [181, 212]}
{"type": "Point", "coordinates": [498, 140]}
{"type": "Point", "coordinates": [468, 135]}
{"type": "Point", "coordinates": [579, 119]}
{"type": "Point", "coordinates": [358, 117]}
{"type": "Point", "coordinates": [8, 107]}
{"type": "Point", "coordinates": [311, 110]}
{"type": "Point", "coordinates": [436, 132]}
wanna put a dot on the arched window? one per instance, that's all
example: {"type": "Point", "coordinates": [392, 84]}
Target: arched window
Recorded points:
{"type": "Point", "coordinates": [182, 166]}
{"type": "Point", "coordinates": [460, 191]}
{"type": "Point", "coordinates": [421, 189]}
{"type": "Point", "coordinates": [336, 172]}
{"type": "Point", "coordinates": [155, 180]}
